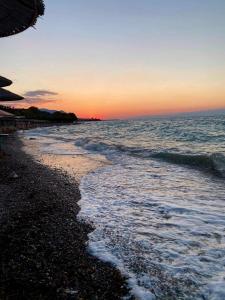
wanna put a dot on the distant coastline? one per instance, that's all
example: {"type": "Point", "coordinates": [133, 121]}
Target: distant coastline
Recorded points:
{"type": "Point", "coordinates": [199, 113]}
{"type": "Point", "coordinates": [12, 119]}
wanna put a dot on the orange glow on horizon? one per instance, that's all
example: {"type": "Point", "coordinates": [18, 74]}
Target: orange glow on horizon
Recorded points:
{"type": "Point", "coordinates": [126, 95]}
{"type": "Point", "coordinates": [126, 105]}
{"type": "Point", "coordinates": [127, 109]}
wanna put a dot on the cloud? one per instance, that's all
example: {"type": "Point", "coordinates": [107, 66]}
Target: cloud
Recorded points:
{"type": "Point", "coordinates": [39, 96]}
{"type": "Point", "coordinates": [40, 93]}
{"type": "Point", "coordinates": [38, 100]}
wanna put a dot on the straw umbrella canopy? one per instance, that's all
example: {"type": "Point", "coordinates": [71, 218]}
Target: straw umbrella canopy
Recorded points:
{"type": "Point", "coordinates": [5, 95]}
{"type": "Point", "coordinates": [4, 114]}
{"type": "Point", "coordinates": [18, 15]}
{"type": "Point", "coordinates": [4, 82]}
{"type": "Point", "coordinates": [15, 17]}
{"type": "Point", "coordinates": [8, 96]}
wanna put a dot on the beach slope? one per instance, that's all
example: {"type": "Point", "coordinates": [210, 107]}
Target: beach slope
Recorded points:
{"type": "Point", "coordinates": [42, 245]}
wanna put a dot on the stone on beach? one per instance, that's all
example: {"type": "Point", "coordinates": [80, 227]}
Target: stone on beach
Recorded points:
{"type": "Point", "coordinates": [13, 175]}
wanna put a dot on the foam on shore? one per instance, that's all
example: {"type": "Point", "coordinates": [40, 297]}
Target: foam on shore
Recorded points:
{"type": "Point", "coordinates": [60, 155]}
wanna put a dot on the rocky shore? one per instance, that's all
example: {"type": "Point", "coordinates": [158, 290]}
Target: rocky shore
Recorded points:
{"type": "Point", "coordinates": [42, 245]}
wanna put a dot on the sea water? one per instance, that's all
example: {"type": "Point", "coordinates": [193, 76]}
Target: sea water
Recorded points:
{"type": "Point", "coordinates": [158, 204]}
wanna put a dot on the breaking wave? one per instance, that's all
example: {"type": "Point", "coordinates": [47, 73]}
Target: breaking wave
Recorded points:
{"type": "Point", "coordinates": [214, 163]}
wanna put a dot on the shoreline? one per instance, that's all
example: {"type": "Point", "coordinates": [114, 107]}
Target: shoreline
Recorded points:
{"type": "Point", "coordinates": [42, 244]}
{"type": "Point", "coordinates": [76, 165]}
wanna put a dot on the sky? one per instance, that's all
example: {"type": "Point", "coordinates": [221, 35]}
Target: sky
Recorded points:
{"type": "Point", "coordinates": [121, 58]}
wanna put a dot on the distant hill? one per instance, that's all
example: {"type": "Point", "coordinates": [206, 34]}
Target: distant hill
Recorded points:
{"type": "Point", "coordinates": [51, 111]}
{"type": "Point", "coordinates": [203, 113]}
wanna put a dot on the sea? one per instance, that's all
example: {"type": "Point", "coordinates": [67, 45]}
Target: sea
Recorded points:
{"type": "Point", "coordinates": [156, 201]}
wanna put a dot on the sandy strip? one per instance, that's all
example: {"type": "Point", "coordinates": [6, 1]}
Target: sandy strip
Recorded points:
{"type": "Point", "coordinates": [76, 166]}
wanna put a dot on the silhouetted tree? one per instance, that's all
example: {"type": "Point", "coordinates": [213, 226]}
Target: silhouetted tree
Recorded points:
{"type": "Point", "coordinates": [37, 114]}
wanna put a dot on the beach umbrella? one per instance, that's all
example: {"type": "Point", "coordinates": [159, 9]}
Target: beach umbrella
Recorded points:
{"type": "Point", "coordinates": [18, 15]}
{"type": "Point", "coordinates": [4, 114]}
{"type": "Point", "coordinates": [8, 96]}
{"type": "Point", "coordinates": [4, 81]}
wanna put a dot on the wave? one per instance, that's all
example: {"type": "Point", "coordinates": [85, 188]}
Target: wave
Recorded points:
{"type": "Point", "coordinates": [214, 163]}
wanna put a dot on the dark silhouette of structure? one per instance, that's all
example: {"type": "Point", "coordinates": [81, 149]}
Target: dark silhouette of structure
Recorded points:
{"type": "Point", "coordinates": [6, 95]}
{"type": "Point", "coordinates": [15, 17]}
{"type": "Point", "coordinates": [18, 15]}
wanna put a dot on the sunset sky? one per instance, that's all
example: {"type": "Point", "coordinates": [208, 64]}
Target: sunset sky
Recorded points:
{"type": "Point", "coordinates": [121, 58]}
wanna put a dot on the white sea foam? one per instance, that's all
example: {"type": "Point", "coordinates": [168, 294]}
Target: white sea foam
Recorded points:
{"type": "Point", "coordinates": [173, 239]}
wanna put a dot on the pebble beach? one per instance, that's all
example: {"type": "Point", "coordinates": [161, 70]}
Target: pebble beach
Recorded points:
{"type": "Point", "coordinates": [42, 244]}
